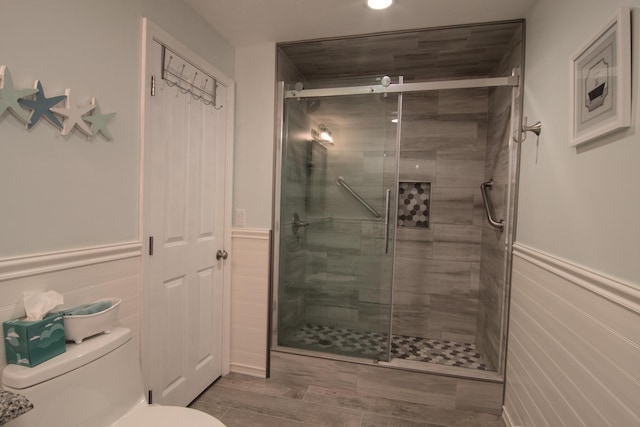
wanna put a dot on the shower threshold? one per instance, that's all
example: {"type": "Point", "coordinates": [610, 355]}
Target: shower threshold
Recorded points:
{"type": "Point", "coordinates": [414, 353]}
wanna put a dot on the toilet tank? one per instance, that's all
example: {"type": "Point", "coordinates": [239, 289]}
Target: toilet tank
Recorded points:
{"type": "Point", "coordinates": [92, 384]}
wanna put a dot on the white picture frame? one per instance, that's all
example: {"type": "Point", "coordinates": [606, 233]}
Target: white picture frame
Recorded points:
{"type": "Point", "coordinates": [601, 82]}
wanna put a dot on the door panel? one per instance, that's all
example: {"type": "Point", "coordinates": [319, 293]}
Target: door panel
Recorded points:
{"type": "Point", "coordinates": [184, 212]}
{"type": "Point", "coordinates": [335, 272]}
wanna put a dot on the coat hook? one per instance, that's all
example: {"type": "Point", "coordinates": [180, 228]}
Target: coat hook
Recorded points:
{"type": "Point", "coordinates": [535, 128]}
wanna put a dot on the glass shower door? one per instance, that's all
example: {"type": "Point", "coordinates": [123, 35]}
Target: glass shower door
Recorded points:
{"type": "Point", "coordinates": [336, 225]}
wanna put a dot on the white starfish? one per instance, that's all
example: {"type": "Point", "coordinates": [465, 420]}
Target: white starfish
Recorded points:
{"type": "Point", "coordinates": [73, 115]}
{"type": "Point", "coordinates": [9, 96]}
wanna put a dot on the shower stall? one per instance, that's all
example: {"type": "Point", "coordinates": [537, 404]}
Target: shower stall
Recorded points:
{"type": "Point", "coordinates": [395, 200]}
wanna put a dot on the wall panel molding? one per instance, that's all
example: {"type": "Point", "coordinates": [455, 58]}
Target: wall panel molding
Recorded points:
{"type": "Point", "coordinates": [250, 280]}
{"type": "Point", "coordinates": [622, 293]}
{"type": "Point", "coordinates": [29, 265]}
{"type": "Point", "coordinates": [250, 233]}
{"type": "Point", "coordinates": [573, 345]}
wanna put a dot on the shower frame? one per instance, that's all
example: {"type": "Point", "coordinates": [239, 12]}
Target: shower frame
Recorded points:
{"type": "Point", "coordinates": [515, 134]}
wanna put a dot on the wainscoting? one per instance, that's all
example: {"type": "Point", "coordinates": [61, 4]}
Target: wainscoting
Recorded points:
{"type": "Point", "coordinates": [574, 346]}
{"type": "Point", "coordinates": [249, 301]}
{"type": "Point", "coordinates": [81, 276]}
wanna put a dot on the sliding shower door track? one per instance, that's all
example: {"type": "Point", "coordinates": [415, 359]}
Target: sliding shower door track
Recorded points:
{"type": "Point", "coordinates": [511, 81]}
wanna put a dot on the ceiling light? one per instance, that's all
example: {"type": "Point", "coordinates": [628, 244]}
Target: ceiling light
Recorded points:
{"type": "Point", "coordinates": [379, 4]}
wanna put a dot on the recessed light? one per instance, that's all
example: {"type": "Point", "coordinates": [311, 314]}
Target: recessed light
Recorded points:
{"type": "Point", "coordinates": [379, 4]}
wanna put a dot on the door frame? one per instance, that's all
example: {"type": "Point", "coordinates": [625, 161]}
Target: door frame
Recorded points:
{"type": "Point", "coordinates": [152, 33]}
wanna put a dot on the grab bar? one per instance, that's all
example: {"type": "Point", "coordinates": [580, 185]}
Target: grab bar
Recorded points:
{"type": "Point", "coordinates": [488, 208]}
{"type": "Point", "coordinates": [340, 181]}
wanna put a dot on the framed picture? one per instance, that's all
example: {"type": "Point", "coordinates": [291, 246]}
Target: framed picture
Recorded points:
{"type": "Point", "coordinates": [601, 82]}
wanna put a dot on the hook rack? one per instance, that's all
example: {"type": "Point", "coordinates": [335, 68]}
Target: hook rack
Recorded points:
{"type": "Point", "coordinates": [535, 128]}
{"type": "Point", "coordinates": [176, 77]}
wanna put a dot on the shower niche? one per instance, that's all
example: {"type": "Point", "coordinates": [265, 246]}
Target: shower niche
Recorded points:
{"type": "Point", "coordinates": [396, 264]}
{"type": "Point", "coordinates": [414, 199]}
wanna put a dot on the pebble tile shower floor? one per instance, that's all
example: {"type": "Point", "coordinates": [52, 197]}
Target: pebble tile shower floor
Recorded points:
{"type": "Point", "coordinates": [347, 341]}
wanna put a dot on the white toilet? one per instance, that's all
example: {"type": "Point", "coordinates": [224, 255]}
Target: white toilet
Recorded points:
{"type": "Point", "coordinates": [95, 384]}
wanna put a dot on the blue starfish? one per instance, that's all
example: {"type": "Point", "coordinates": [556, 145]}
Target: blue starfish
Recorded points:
{"type": "Point", "coordinates": [41, 107]}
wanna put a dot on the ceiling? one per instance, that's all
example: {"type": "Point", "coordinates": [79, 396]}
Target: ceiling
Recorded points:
{"type": "Point", "coordinates": [439, 54]}
{"type": "Point", "coordinates": [248, 22]}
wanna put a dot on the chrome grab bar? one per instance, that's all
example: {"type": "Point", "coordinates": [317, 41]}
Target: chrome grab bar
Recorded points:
{"type": "Point", "coordinates": [488, 208]}
{"type": "Point", "coordinates": [340, 181]}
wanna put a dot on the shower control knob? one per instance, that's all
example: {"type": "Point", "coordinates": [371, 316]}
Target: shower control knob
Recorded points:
{"type": "Point", "coordinates": [222, 254]}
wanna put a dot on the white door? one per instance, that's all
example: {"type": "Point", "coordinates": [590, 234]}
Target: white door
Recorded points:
{"type": "Point", "coordinates": [184, 174]}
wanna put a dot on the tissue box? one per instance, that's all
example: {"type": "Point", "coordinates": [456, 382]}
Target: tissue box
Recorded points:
{"type": "Point", "coordinates": [30, 343]}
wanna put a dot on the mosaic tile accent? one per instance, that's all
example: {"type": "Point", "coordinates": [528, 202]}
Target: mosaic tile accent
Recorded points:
{"type": "Point", "coordinates": [413, 204]}
{"type": "Point", "coordinates": [342, 340]}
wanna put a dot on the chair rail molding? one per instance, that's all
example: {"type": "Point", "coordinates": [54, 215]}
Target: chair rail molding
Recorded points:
{"type": "Point", "coordinates": [251, 233]}
{"type": "Point", "coordinates": [622, 293]}
{"type": "Point", "coordinates": [29, 265]}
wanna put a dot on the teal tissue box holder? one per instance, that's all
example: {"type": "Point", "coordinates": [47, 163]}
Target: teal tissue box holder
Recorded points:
{"type": "Point", "coordinates": [29, 343]}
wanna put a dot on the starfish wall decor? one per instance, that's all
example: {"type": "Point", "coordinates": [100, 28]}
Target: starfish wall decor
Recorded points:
{"type": "Point", "coordinates": [88, 119]}
{"type": "Point", "coordinates": [41, 107]}
{"type": "Point", "coordinates": [9, 96]}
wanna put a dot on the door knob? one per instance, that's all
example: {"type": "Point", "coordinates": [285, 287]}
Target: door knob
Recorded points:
{"type": "Point", "coordinates": [222, 254]}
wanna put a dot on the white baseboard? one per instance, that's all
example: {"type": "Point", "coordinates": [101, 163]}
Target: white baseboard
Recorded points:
{"type": "Point", "coordinates": [253, 371]}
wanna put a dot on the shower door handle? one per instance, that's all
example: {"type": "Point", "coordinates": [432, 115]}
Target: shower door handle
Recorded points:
{"type": "Point", "coordinates": [387, 210]}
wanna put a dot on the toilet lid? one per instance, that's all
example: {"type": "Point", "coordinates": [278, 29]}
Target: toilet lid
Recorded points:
{"type": "Point", "coordinates": [167, 416]}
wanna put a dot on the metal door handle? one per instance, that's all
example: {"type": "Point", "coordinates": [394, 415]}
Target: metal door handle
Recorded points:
{"type": "Point", "coordinates": [222, 254]}
{"type": "Point", "coordinates": [387, 213]}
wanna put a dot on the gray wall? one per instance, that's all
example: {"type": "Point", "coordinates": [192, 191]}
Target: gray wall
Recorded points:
{"type": "Point", "coordinates": [591, 216]}
{"type": "Point", "coordinates": [578, 208]}
{"type": "Point", "coordinates": [61, 193]}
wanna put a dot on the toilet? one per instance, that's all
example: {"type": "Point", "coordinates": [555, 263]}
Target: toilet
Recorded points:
{"type": "Point", "coordinates": [94, 384]}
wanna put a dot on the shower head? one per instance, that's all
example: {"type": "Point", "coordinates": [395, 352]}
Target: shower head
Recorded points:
{"type": "Point", "coordinates": [312, 105]}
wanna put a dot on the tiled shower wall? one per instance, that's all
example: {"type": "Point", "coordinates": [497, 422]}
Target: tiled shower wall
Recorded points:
{"type": "Point", "coordinates": [441, 290]}
{"type": "Point", "coordinates": [492, 292]}
{"type": "Point", "coordinates": [437, 268]}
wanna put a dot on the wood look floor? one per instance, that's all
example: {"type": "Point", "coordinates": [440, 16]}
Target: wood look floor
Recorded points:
{"type": "Point", "coordinates": [239, 400]}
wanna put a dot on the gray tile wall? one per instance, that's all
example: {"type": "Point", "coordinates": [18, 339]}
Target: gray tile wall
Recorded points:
{"type": "Point", "coordinates": [493, 267]}
{"type": "Point", "coordinates": [375, 382]}
{"type": "Point", "coordinates": [437, 269]}
{"type": "Point", "coordinates": [454, 139]}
